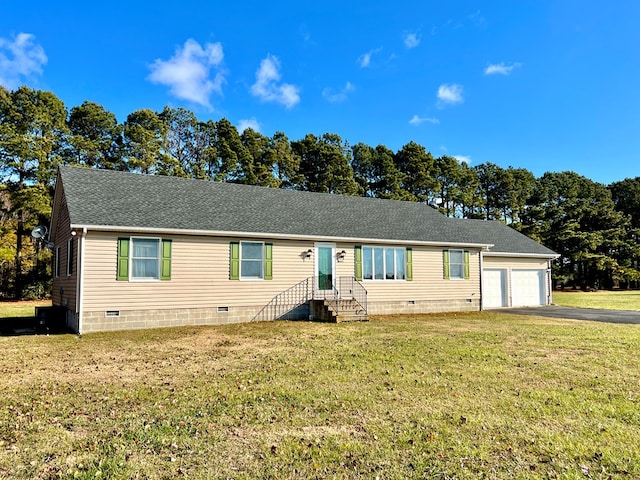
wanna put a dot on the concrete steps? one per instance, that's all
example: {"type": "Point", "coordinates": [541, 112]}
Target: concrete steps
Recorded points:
{"type": "Point", "coordinates": [345, 310]}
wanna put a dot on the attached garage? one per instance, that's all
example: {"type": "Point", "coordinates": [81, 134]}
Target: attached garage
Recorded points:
{"type": "Point", "coordinates": [527, 288]}
{"type": "Point", "coordinates": [515, 282]}
{"type": "Point", "coordinates": [494, 288]}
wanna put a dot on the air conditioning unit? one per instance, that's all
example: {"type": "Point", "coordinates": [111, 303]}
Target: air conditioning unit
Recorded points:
{"type": "Point", "coordinates": [51, 319]}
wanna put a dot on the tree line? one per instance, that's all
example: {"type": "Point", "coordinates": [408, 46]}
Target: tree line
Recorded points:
{"type": "Point", "coordinates": [594, 227]}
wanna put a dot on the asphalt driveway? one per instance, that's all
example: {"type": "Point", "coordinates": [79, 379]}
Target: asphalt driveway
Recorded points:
{"type": "Point", "coordinates": [590, 314]}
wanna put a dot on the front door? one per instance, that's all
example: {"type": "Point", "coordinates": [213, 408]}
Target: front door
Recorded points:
{"type": "Point", "coordinates": [325, 267]}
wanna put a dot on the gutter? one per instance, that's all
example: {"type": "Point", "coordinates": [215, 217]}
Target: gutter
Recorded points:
{"type": "Point", "coordinates": [283, 236]}
{"type": "Point", "coordinates": [551, 256]}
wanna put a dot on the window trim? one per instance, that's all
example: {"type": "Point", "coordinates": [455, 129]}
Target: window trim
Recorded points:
{"type": "Point", "coordinates": [464, 265]}
{"type": "Point", "coordinates": [235, 261]}
{"type": "Point", "coordinates": [124, 263]}
{"type": "Point", "coordinates": [372, 262]}
{"type": "Point", "coordinates": [132, 278]}
{"type": "Point", "coordinates": [262, 262]}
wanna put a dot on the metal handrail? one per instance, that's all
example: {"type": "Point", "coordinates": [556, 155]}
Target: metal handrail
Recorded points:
{"type": "Point", "coordinates": [346, 287]}
{"type": "Point", "coordinates": [284, 305]}
{"type": "Point", "coordinates": [349, 287]}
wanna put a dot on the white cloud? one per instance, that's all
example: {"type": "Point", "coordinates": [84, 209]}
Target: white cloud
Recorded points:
{"type": "Point", "coordinates": [339, 96]}
{"type": "Point", "coordinates": [449, 94]}
{"type": "Point", "coordinates": [463, 159]}
{"type": "Point", "coordinates": [251, 123]}
{"type": "Point", "coordinates": [267, 87]}
{"type": "Point", "coordinates": [418, 120]}
{"type": "Point", "coordinates": [477, 19]}
{"type": "Point", "coordinates": [187, 72]}
{"type": "Point", "coordinates": [500, 68]}
{"type": "Point", "coordinates": [20, 57]}
{"type": "Point", "coordinates": [364, 60]}
{"type": "Point", "coordinates": [411, 40]}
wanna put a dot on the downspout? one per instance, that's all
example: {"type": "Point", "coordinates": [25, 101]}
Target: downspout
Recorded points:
{"type": "Point", "coordinates": [80, 279]}
{"type": "Point", "coordinates": [481, 279]}
{"type": "Point", "coordinates": [549, 284]}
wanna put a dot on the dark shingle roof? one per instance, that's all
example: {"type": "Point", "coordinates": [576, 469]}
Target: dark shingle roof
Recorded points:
{"type": "Point", "coordinates": [103, 198]}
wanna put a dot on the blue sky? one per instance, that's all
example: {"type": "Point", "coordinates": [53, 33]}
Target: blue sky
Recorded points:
{"type": "Point", "coordinates": [544, 85]}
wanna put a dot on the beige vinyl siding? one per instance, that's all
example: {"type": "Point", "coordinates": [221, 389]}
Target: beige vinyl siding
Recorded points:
{"type": "Point", "coordinates": [64, 287]}
{"type": "Point", "coordinates": [514, 262]}
{"type": "Point", "coordinates": [428, 282]}
{"type": "Point", "coordinates": [199, 277]}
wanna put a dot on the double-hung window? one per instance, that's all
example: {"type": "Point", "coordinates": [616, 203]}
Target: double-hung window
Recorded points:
{"type": "Point", "coordinates": [456, 264]}
{"type": "Point", "coordinates": [144, 259]}
{"type": "Point", "coordinates": [56, 262]}
{"type": "Point", "coordinates": [250, 260]}
{"type": "Point", "coordinates": [69, 257]}
{"type": "Point", "coordinates": [383, 263]}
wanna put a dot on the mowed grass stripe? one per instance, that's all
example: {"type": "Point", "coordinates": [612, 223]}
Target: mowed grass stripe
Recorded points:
{"type": "Point", "coordinates": [478, 395]}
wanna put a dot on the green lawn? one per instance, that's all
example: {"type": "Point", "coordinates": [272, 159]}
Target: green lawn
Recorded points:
{"type": "Point", "coordinates": [616, 300]}
{"type": "Point", "coordinates": [25, 308]}
{"type": "Point", "coordinates": [481, 395]}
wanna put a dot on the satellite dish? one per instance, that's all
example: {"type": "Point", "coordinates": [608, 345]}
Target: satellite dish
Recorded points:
{"type": "Point", "coordinates": [39, 232]}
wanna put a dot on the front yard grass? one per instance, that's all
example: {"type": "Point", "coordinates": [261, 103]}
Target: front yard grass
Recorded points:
{"type": "Point", "coordinates": [611, 300]}
{"type": "Point", "coordinates": [479, 395]}
{"type": "Point", "coordinates": [21, 309]}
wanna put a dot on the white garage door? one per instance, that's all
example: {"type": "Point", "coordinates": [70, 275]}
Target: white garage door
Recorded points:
{"type": "Point", "coordinates": [527, 288]}
{"type": "Point", "coordinates": [494, 288]}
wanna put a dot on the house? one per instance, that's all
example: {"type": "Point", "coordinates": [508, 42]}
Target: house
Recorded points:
{"type": "Point", "coordinates": [138, 251]}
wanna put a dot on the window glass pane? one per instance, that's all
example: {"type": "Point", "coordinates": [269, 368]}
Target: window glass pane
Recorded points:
{"type": "Point", "coordinates": [456, 263]}
{"type": "Point", "coordinates": [70, 257]}
{"type": "Point", "coordinates": [400, 264]}
{"type": "Point", "coordinates": [251, 269]}
{"type": "Point", "coordinates": [455, 271]}
{"type": "Point", "coordinates": [145, 258]}
{"type": "Point", "coordinates": [378, 263]}
{"type": "Point", "coordinates": [57, 262]}
{"type": "Point", "coordinates": [455, 256]}
{"type": "Point", "coordinates": [251, 250]}
{"type": "Point", "coordinates": [325, 268]}
{"type": "Point", "coordinates": [145, 248]}
{"type": "Point", "coordinates": [251, 260]}
{"type": "Point", "coordinates": [367, 263]}
{"type": "Point", "coordinates": [145, 268]}
{"type": "Point", "coordinates": [389, 262]}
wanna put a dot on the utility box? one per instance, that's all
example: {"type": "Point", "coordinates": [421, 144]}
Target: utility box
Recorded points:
{"type": "Point", "coordinates": [51, 319]}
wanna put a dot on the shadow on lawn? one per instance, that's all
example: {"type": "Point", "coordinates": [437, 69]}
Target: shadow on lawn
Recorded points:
{"type": "Point", "coordinates": [15, 326]}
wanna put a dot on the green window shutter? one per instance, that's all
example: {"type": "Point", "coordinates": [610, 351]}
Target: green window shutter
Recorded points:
{"type": "Point", "coordinates": [445, 262]}
{"type": "Point", "coordinates": [122, 272]}
{"type": "Point", "coordinates": [358, 265]}
{"type": "Point", "coordinates": [409, 264]}
{"type": "Point", "coordinates": [466, 265]}
{"type": "Point", "coordinates": [234, 261]}
{"type": "Point", "coordinates": [165, 270]}
{"type": "Point", "coordinates": [268, 261]}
